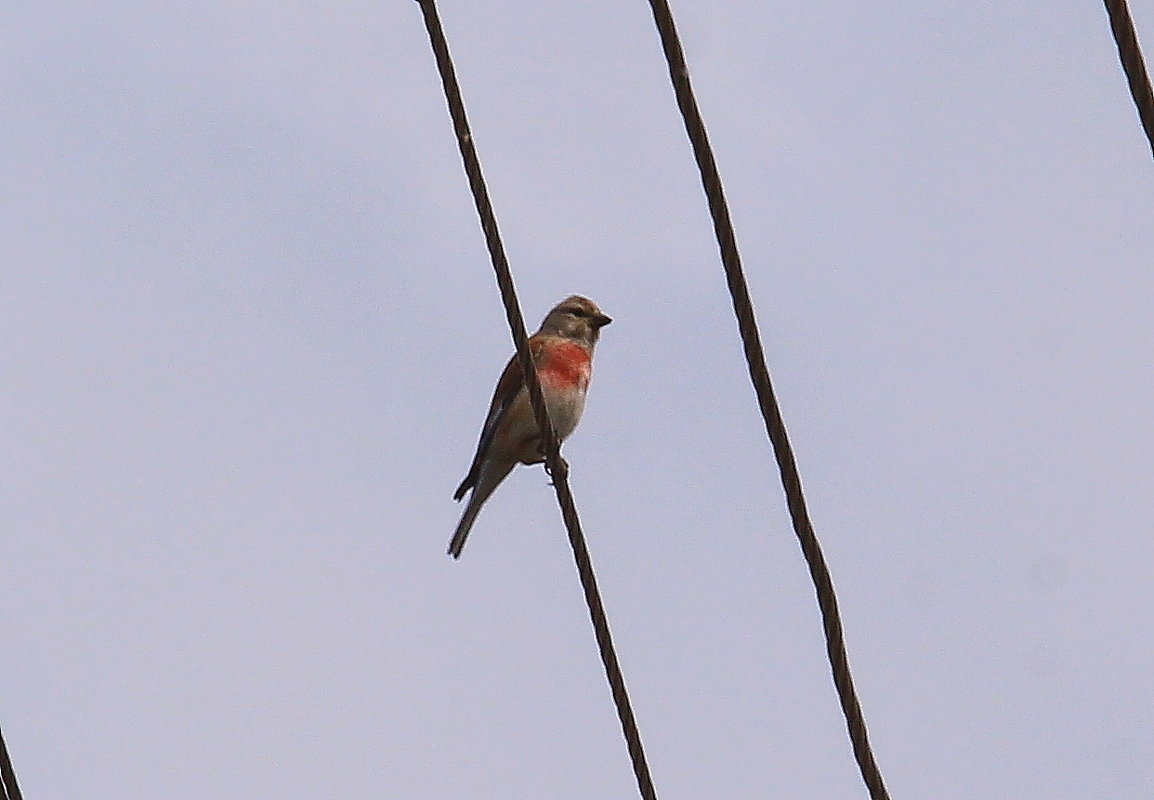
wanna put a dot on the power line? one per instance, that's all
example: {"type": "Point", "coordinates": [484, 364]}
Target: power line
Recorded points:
{"type": "Point", "coordinates": [558, 468]}
{"type": "Point", "coordinates": [7, 774]}
{"type": "Point", "coordinates": [770, 412]}
{"type": "Point", "coordinates": [1122, 26]}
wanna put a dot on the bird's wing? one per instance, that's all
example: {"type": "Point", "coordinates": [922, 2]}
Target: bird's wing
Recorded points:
{"type": "Point", "coordinates": [507, 389]}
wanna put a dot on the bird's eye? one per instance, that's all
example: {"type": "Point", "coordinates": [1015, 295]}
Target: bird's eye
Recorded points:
{"type": "Point", "coordinates": [578, 312]}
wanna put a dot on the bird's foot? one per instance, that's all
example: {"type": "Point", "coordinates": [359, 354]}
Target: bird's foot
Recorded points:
{"type": "Point", "coordinates": [564, 469]}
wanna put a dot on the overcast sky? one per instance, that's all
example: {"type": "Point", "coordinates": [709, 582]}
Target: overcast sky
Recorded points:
{"type": "Point", "coordinates": [250, 332]}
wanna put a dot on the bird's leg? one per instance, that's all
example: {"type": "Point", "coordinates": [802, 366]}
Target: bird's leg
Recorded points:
{"type": "Point", "coordinates": [563, 466]}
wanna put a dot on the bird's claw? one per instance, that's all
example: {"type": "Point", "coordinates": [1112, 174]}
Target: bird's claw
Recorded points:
{"type": "Point", "coordinates": [562, 463]}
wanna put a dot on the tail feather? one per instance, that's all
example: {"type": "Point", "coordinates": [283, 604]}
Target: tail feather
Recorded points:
{"type": "Point", "coordinates": [467, 484]}
{"type": "Point", "coordinates": [486, 482]}
{"type": "Point", "coordinates": [463, 527]}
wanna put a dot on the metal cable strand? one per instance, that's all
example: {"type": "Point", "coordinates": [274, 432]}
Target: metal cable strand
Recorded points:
{"type": "Point", "coordinates": [1130, 53]}
{"type": "Point", "coordinates": [558, 468]}
{"type": "Point", "coordinates": [7, 774]}
{"type": "Point", "coordinates": [759, 374]}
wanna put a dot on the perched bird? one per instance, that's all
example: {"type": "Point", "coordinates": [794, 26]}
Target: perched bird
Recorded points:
{"type": "Point", "coordinates": [562, 350]}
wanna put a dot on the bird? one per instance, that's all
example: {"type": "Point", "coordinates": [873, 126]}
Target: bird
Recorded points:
{"type": "Point", "coordinates": [562, 351]}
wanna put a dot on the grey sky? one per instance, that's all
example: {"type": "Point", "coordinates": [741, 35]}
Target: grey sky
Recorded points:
{"type": "Point", "coordinates": [250, 332]}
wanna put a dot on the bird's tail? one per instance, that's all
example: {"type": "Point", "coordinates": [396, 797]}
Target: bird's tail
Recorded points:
{"type": "Point", "coordinates": [486, 482]}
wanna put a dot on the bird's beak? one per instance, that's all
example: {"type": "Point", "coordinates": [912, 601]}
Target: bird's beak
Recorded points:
{"type": "Point", "coordinates": [600, 320]}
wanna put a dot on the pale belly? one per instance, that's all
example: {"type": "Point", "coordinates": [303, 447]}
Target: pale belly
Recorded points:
{"type": "Point", "coordinates": [565, 408]}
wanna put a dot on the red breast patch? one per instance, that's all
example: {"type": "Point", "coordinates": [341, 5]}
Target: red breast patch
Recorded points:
{"type": "Point", "coordinates": [564, 364]}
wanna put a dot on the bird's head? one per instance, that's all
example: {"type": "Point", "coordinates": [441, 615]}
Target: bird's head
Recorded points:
{"type": "Point", "coordinates": [576, 317]}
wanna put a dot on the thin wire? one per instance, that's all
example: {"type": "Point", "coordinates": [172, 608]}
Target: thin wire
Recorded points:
{"type": "Point", "coordinates": [7, 774]}
{"type": "Point", "coordinates": [558, 468]}
{"type": "Point", "coordinates": [770, 412]}
{"type": "Point", "coordinates": [1122, 26]}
